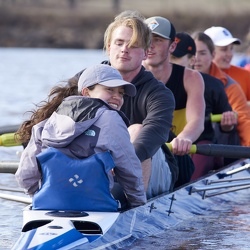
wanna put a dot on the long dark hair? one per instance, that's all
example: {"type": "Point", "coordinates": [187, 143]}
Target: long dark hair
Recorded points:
{"type": "Point", "coordinates": [46, 108]}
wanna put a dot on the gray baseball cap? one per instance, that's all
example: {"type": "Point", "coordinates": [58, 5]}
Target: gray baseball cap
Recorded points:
{"type": "Point", "coordinates": [104, 75]}
{"type": "Point", "coordinates": [161, 27]}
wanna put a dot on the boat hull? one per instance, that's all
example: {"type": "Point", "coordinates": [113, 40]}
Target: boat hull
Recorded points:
{"type": "Point", "coordinates": [44, 229]}
{"type": "Point", "coordinates": [159, 214]}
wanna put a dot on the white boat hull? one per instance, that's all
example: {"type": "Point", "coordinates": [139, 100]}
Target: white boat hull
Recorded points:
{"type": "Point", "coordinates": [62, 230]}
{"type": "Point", "coordinates": [119, 230]}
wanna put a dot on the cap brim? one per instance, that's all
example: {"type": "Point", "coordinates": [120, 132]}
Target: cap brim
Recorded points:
{"type": "Point", "coordinates": [159, 34]}
{"type": "Point", "coordinates": [129, 88]}
{"type": "Point", "coordinates": [228, 41]}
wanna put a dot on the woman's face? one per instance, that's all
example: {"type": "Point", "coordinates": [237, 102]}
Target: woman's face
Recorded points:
{"type": "Point", "coordinates": [203, 57]}
{"type": "Point", "coordinates": [223, 56]}
{"type": "Point", "coordinates": [111, 95]}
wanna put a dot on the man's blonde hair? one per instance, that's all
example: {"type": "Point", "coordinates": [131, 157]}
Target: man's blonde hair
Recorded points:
{"type": "Point", "coordinates": [133, 19]}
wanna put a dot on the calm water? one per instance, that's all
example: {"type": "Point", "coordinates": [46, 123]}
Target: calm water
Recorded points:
{"type": "Point", "coordinates": [26, 76]}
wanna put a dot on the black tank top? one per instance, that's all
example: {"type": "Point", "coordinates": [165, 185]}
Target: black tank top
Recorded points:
{"type": "Point", "coordinates": [176, 85]}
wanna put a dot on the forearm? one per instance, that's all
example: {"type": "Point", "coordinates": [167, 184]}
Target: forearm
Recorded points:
{"type": "Point", "coordinates": [192, 130]}
{"type": "Point", "coordinates": [181, 145]}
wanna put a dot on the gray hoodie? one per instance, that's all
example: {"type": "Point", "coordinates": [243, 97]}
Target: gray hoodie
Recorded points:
{"type": "Point", "coordinates": [81, 127]}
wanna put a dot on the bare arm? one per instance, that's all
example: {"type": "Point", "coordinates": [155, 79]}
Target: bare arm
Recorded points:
{"type": "Point", "coordinates": [195, 112]}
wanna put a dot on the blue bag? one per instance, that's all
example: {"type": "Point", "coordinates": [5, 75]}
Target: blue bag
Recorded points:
{"type": "Point", "coordinates": [74, 184]}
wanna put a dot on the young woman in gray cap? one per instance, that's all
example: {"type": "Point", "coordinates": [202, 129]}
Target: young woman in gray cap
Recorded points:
{"type": "Point", "coordinates": [81, 146]}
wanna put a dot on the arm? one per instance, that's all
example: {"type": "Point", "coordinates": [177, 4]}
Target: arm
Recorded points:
{"type": "Point", "coordinates": [156, 120]}
{"type": "Point", "coordinates": [238, 101]}
{"type": "Point", "coordinates": [220, 105]}
{"type": "Point", "coordinates": [28, 175]}
{"type": "Point", "coordinates": [195, 113]}
{"type": "Point", "coordinates": [128, 167]}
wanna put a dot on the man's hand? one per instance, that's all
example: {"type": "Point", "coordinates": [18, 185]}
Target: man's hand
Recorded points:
{"type": "Point", "coordinates": [181, 146]}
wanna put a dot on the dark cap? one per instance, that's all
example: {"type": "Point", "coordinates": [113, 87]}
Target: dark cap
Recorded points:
{"type": "Point", "coordinates": [161, 27]}
{"type": "Point", "coordinates": [185, 45]}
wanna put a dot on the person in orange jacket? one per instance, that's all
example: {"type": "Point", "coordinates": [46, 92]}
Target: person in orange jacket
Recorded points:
{"type": "Point", "coordinates": [205, 53]}
{"type": "Point", "coordinates": [224, 46]}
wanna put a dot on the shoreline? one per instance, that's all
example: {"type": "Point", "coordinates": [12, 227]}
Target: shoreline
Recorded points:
{"type": "Point", "coordinates": [58, 26]}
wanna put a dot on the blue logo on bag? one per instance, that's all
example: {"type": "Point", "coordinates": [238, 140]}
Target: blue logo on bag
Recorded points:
{"type": "Point", "coordinates": [75, 180]}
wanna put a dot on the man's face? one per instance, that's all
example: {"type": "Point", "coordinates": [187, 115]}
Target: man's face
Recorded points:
{"type": "Point", "coordinates": [123, 58]}
{"type": "Point", "coordinates": [158, 52]}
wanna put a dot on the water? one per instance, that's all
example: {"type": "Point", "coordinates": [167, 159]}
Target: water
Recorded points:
{"type": "Point", "coordinates": [26, 76]}
{"type": "Point", "coordinates": [224, 227]}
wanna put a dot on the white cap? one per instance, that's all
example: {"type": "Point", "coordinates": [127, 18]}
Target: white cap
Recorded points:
{"type": "Point", "coordinates": [104, 75]}
{"type": "Point", "coordinates": [221, 36]}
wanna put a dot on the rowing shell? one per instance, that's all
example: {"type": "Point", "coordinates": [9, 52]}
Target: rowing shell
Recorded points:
{"type": "Point", "coordinates": [96, 230]}
{"type": "Point", "coordinates": [62, 230]}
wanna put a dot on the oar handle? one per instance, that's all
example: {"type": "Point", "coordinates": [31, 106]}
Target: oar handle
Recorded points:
{"type": "Point", "coordinates": [192, 150]}
{"type": "Point", "coordinates": [213, 118]}
{"type": "Point", "coordinates": [9, 140]}
{"type": "Point", "coordinates": [217, 117]}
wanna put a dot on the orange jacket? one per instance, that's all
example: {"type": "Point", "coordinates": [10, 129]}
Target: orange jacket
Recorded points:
{"type": "Point", "coordinates": [238, 102]}
{"type": "Point", "coordinates": [242, 76]}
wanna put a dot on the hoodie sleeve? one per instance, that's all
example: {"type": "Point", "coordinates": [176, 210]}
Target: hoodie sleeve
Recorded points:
{"type": "Point", "coordinates": [28, 175]}
{"type": "Point", "coordinates": [128, 167]}
{"type": "Point", "coordinates": [159, 104]}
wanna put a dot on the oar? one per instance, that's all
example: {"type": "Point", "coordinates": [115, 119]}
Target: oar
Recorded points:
{"type": "Point", "coordinates": [19, 190]}
{"type": "Point", "coordinates": [229, 151]}
{"type": "Point", "coordinates": [17, 198]}
{"type": "Point", "coordinates": [233, 171]}
{"type": "Point", "coordinates": [9, 129]}
{"type": "Point", "coordinates": [8, 167]}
